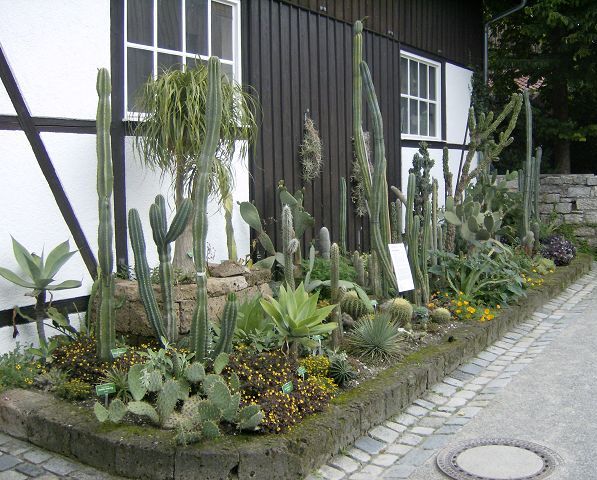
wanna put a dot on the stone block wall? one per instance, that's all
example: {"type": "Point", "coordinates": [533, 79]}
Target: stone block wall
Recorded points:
{"type": "Point", "coordinates": [132, 321]}
{"type": "Point", "coordinates": [573, 198]}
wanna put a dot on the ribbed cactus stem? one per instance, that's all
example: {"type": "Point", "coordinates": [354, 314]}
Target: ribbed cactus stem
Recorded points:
{"type": "Point", "coordinates": [230, 241]}
{"type": "Point", "coordinates": [288, 246]}
{"type": "Point", "coordinates": [324, 243]}
{"type": "Point", "coordinates": [434, 242]}
{"type": "Point", "coordinates": [343, 215]}
{"type": "Point", "coordinates": [227, 326]}
{"type": "Point", "coordinates": [143, 274]}
{"type": "Point", "coordinates": [213, 115]}
{"type": "Point", "coordinates": [357, 109]}
{"type": "Point", "coordinates": [535, 224]}
{"type": "Point", "coordinates": [374, 276]}
{"type": "Point", "coordinates": [394, 221]}
{"type": "Point", "coordinates": [425, 253]}
{"type": "Point", "coordinates": [399, 226]}
{"type": "Point", "coordinates": [527, 236]}
{"type": "Point", "coordinates": [105, 329]}
{"type": "Point", "coordinates": [337, 334]}
{"type": "Point", "coordinates": [413, 252]}
{"type": "Point", "coordinates": [378, 206]}
{"type": "Point", "coordinates": [359, 266]}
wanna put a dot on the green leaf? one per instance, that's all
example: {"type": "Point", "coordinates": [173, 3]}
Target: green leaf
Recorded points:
{"type": "Point", "coordinates": [14, 278]}
{"type": "Point", "coordinates": [56, 259]}
{"type": "Point", "coordinates": [67, 284]}
{"type": "Point", "coordinates": [101, 413]}
{"type": "Point", "coordinates": [21, 255]}
{"type": "Point", "coordinates": [117, 410]}
{"type": "Point", "coordinates": [210, 430]}
{"type": "Point", "coordinates": [195, 372]}
{"type": "Point", "coordinates": [286, 198]}
{"type": "Point", "coordinates": [136, 387]}
{"type": "Point", "coordinates": [452, 218]}
{"type": "Point", "coordinates": [144, 409]}
{"type": "Point", "coordinates": [220, 362]}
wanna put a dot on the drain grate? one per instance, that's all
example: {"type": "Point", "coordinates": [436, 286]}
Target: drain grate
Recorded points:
{"type": "Point", "coordinates": [498, 459]}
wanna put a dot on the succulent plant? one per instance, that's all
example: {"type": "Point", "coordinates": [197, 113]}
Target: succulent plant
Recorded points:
{"type": "Point", "coordinates": [353, 305]}
{"type": "Point", "coordinates": [401, 311]}
{"type": "Point", "coordinates": [420, 318]}
{"type": "Point", "coordinates": [440, 315]}
{"type": "Point", "coordinates": [341, 371]}
{"type": "Point", "coordinates": [377, 338]}
{"type": "Point", "coordinates": [558, 249]}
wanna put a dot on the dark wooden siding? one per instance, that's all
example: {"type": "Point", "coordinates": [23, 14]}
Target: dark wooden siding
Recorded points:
{"type": "Point", "coordinates": [298, 60]}
{"type": "Point", "coordinates": [448, 28]}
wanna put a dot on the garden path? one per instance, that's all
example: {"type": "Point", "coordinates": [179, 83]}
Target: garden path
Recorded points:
{"type": "Point", "coordinates": [535, 384]}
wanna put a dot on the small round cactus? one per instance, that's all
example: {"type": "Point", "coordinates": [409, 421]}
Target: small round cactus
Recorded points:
{"type": "Point", "coordinates": [441, 315]}
{"type": "Point", "coordinates": [354, 306]}
{"type": "Point", "coordinates": [400, 310]}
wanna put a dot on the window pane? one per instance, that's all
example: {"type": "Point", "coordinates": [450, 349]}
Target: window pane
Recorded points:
{"type": "Point", "coordinates": [423, 119]}
{"type": "Point", "coordinates": [404, 75]}
{"type": "Point", "coordinates": [432, 87]}
{"type": "Point", "coordinates": [414, 117]}
{"type": "Point", "coordinates": [169, 24]}
{"type": "Point", "coordinates": [404, 115]}
{"type": "Point", "coordinates": [414, 81]}
{"type": "Point", "coordinates": [228, 71]}
{"type": "Point", "coordinates": [139, 70]}
{"type": "Point", "coordinates": [432, 120]}
{"type": "Point", "coordinates": [197, 26]}
{"type": "Point", "coordinates": [166, 62]}
{"type": "Point", "coordinates": [422, 80]}
{"type": "Point", "coordinates": [221, 30]}
{"type": "Point", "coordinates": [193, 62]}
{"type": "Point", "coordinates": [139, 21]}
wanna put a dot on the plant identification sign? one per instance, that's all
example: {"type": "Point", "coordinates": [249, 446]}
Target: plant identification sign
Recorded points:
{"type": "Point", "coordinates": [404, 277]}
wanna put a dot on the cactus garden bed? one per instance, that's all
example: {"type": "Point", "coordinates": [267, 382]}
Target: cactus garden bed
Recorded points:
{"type": "Point", "coordinates": [139, 451]}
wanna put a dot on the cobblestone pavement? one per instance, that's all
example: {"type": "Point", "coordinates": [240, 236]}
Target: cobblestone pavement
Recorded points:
{"type": "Point", "coordinates": [399, 447]}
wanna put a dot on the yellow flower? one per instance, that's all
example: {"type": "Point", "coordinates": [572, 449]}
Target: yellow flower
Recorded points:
{"type": "Point", "coordinates": [466, 302]}
{"type": "Point", "coordinates": [486, 311]}
{"type": "Point", "coordinates": [460, 293]}
{"type": "Point", "coordinates": [18, 366]}
{"type": "Point", "coordinates": [458, 311]}
{"type": "Point", "coordinates": [490, 317]}
{"type": "Point", "coordinates": [471, 310]}
{"type": "Point", "coordinates": [459, 304]}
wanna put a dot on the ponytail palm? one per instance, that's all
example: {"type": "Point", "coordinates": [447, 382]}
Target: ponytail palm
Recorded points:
{"type": "Point", "coordinates": [172, 130]}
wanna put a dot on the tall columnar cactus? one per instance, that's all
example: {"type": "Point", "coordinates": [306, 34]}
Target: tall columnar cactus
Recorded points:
{"type": "Point", "coordinates": [227, 326]}
{"type": "Point", "coordinates": [230, 241]}
{"type": "Point", "coordinates": [434, 239]}
{"type": "Point", "coordinates": [289, 246]}
{"type": "Point", "coordinates": [394, 221]}
{"type": "Point", "coordinates": [343, 215]}
{"type": "Point", "coordinates": [374, 275]}
{"type": "Point", "coordinates": [324, 243]}
{"type": "Point", "coordinates": [359, 267]}
{"type": "Point", "coordinates": [379, 223]}
{"type": "Point", "coordinates": [213, 115]}
{"type": "Point", "coordinates": [337, 334]}
{"type": "Point", "coordinates": [105, 329]}
{"type": "Point", "coordinates": [163, 325]}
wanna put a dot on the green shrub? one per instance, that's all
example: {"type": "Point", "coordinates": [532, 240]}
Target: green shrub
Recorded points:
{"type": "Point", "coordinates": [72, 390]}
{"type": "Point", "coordinates": [321, 269]}
{"type": "Point", "coordinates": [18, 369]}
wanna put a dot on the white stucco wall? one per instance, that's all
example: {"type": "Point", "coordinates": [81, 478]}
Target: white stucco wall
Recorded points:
{"type": "Point", "coordinates": [54, 49]}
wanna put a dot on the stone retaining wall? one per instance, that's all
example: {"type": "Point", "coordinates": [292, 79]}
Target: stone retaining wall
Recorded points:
{"type": "Point", "coordinates": [131, 319]}
{"type": "Point", "coordinates": [573, 198]}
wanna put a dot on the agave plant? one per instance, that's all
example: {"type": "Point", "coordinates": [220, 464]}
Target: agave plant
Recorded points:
{"type": "Point", "coordinates": [39, 273]}
{"type": "Point", "coordinates": [297, 317]}
{"type": "Point", "coordinates": [376, 337]}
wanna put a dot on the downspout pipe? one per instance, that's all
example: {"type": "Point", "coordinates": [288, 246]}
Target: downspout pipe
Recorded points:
{"type": "Point", "coordinates": [486, 36]}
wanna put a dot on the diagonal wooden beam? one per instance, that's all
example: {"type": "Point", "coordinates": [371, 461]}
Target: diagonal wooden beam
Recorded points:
{"type": "Point", "coordinates": [44, 162]}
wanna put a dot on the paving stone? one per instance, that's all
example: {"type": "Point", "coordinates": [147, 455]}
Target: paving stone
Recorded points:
{"type": "Point", "coordinates": [4, 438]}
{"type": "Point", "coordinates": [36, 456]}
{"type": "Point", "coordinates": [471, 369]}
{"type": "Point", "coordinates": [480, 362]}
{"type": "Point", "coordinates": [440, 415]}
{"type": "Point", "coordinates": [456, 402]}
{"type": "Point", "coordinates": [385, 459]}
{"type": "Point", "coordinates": [444, 389]}
{"type": "Point", "coordinates": [405, 419]}
{"type": "Point", "coordinates": [60, 466]}
{"type": "Point", "coordinates": [12, 475]}
{"type": "Point", "coordinates": [453, 381]}
{"type": "Point", "coordinates": [435, 441]}
{"type": "Point", "coordinates": [384, 434]}
{"type": "Point", "coordinates": [410, 439]}
{"type": "Point", "coordinates": [417, 411]}
{"type": "Point", "coordinates": [458, 421]}
{"type": "Point", "coordinates": [373, 471]}
{"type": "Point", "coordinates": [435, 398]}
{"type": "Point", "coordinates": [448, 429]}
{"type": "Point", "coordinates": [468, 394]}
{"type": "Point", "coordinates": [29, 469]}
{"type": "Point", "coordinates": [345, 463]}
{"type": "Point", "coordinates": [331, 473]}
{"type": "Point", "coordinates": [15, 447]}
{"type": "Point", "coordinates": [399, 449]}
{"type": "Point", "coordinates": [499, 383]}
{"type": "Point", "coordinates": [422, 430]}
{"type": "Point", "coordinates": [469, 412]}
{"type": "Point", "coordinates": [424, 403]}
{"type": "Point", "coordinates": [446, 409]}
{"type": "Point", "coordinates": [369, 445]}
{"type": "Point", "coordinates": [432, 422]}
{"type": "Point", "coordinates": [358, 454]}
{"type": "Point", "coordinates": [495, 349]}
{"type": "Point", "coordinates": [47, 476]}
{"type": "Point", "coordinates": [464, 377]}
{"type": "Point", "coordinates": [399, 471]}
{"type": "Point", "coordinates": [394, 426]}
{"type": "Point", "coordinates": [480, 380]}
{"type": "Point", "coordinates": [416, 457]}
{"type": "Point", "coordinates": [8, 461]}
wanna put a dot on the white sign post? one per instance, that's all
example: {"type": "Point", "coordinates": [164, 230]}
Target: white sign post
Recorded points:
{"type": "Point", "coordinates": [404, 276]}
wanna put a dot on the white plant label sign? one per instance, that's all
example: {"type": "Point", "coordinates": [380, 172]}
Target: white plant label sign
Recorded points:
{"type": "Point", "coordinates": [404, 276]}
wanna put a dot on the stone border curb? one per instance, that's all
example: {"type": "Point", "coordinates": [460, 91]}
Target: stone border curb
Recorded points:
{"type": "Point", "coordinates": [143, 452]}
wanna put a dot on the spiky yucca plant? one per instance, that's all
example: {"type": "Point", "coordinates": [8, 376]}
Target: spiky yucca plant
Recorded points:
{"type": "Point", "coordinates": [376, 338]}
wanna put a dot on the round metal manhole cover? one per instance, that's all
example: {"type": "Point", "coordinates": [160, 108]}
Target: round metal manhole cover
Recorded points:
{"type": "Point", "coordinates": [497, 459]}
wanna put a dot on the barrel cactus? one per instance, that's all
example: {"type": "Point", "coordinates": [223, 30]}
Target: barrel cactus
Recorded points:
{"type": "Point", "coordinates": [401, 311]}
{"type": "Point", "coordinates": [440, 315]}
{"type": "Point", "coordinates": [353, 305]}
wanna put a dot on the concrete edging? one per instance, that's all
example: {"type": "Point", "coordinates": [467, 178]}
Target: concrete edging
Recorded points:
{"type": "Point", "coordinates": [144, 452]}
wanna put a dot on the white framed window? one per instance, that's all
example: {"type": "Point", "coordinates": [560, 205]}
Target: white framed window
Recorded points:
{"type": "Point", "coordinates": [162, 34]}
{"type": "Point", "coordinates": [420, 97]}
